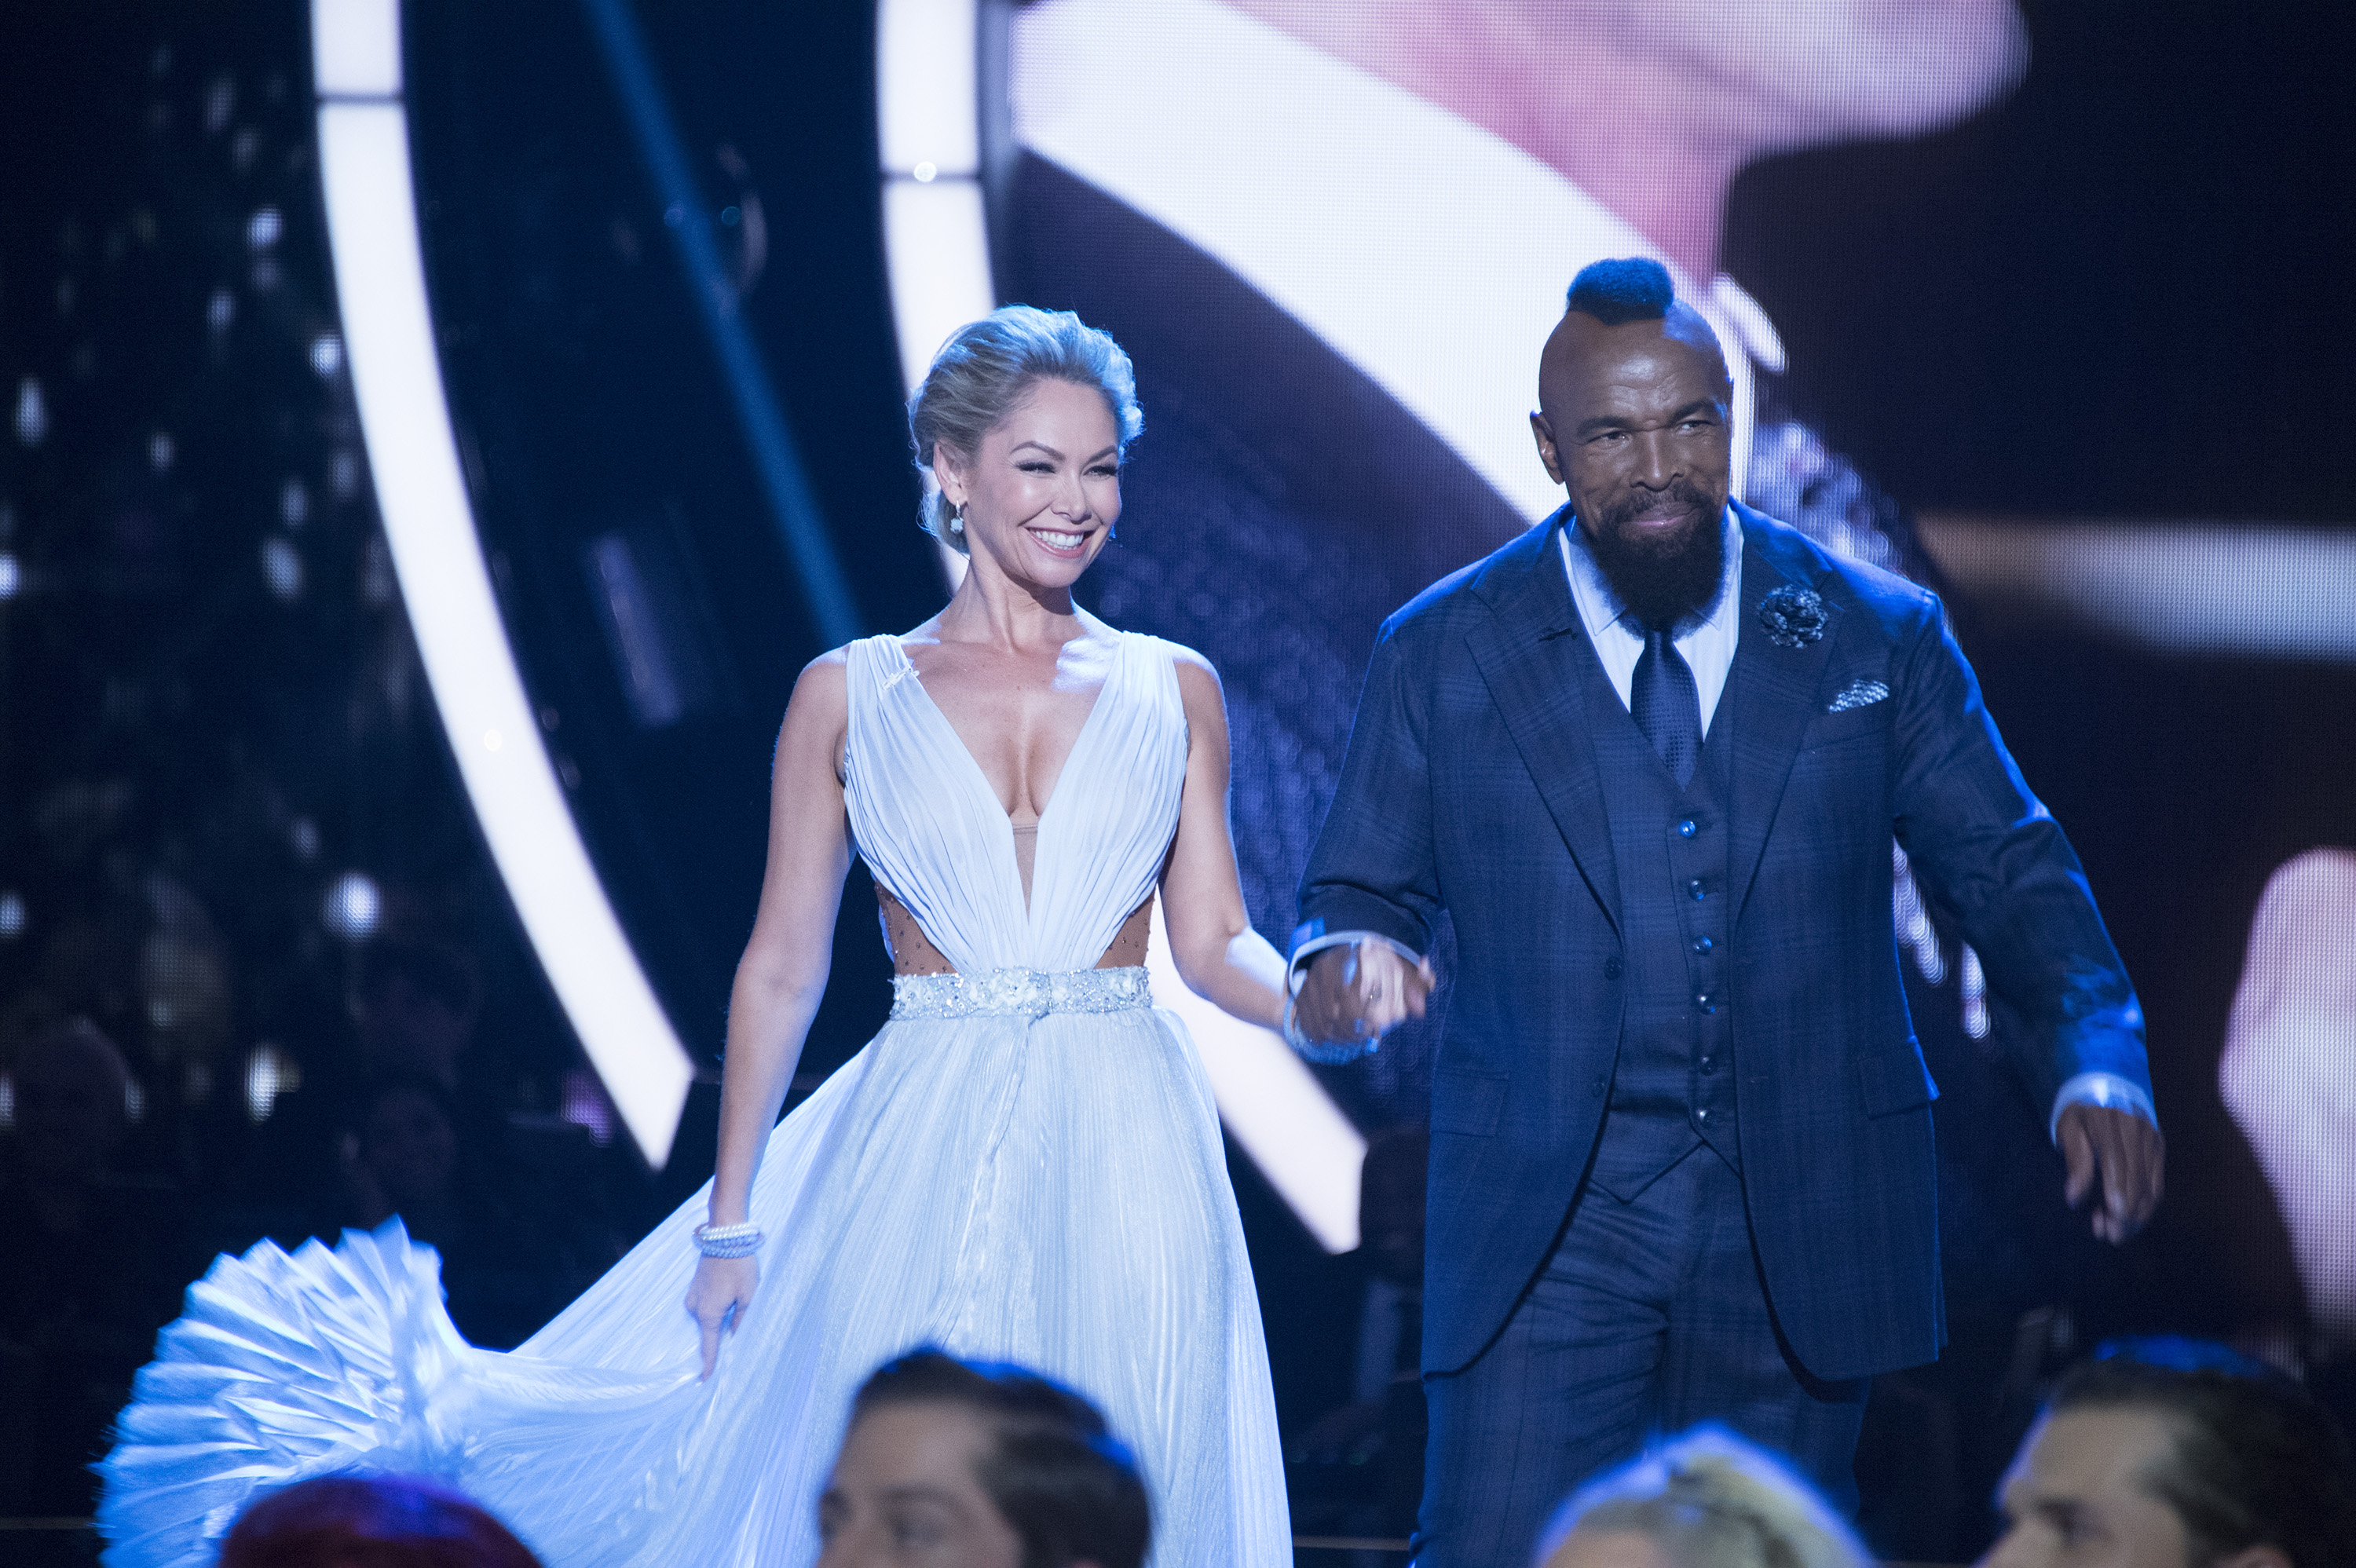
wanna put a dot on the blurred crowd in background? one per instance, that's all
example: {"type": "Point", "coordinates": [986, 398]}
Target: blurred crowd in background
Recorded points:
{"type": "Point", "coordinates": [257, 974]}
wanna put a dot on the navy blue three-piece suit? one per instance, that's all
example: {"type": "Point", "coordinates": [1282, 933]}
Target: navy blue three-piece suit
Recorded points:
{"type": "Point", "coordinates": [1751, 1230]}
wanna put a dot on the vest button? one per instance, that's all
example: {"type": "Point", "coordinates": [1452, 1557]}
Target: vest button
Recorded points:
{"type": "Point", "coordinates": [1686, 828]}
{"type": "Point", "coordinates": [1703, 945]}
{"type": "Point", "coordinates": [1611, 968]}
{"type": "Point", "coordinates": [1702, 1114]}
{"type": "Point", "coordinates": [1706, 1002]}
{"type": "Point", "coordinates": [1697, 890]}
{"type": "Point", "coordinates": [1709, 1064]}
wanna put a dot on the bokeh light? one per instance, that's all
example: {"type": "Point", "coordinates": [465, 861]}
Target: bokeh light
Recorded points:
{"type": "Point", "coordinates": [269, 1073]}
{"type": "Point", "coordinates": [282, 565]}
{"type": "Point", "coordinates": [32, 411]}
{"type": "Point", "coordinates": [352, 907]}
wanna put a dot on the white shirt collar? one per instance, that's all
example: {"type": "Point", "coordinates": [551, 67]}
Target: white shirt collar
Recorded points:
{"type": "Point", "coordinates": [1707, 641]}
{"type": "Point", "coordinates": [1428, 252]}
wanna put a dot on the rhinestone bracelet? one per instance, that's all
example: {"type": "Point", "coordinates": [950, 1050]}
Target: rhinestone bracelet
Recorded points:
{"type": "Point", "coordinates": [728, 1240]}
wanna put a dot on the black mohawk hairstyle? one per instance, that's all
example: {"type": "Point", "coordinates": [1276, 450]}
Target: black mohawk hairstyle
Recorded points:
{"type": "Point", "coordinates": [1633, 288]}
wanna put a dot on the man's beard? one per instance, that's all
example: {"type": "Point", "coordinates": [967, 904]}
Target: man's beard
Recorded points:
{"type": "Point", "coordinates": [1660, 579]}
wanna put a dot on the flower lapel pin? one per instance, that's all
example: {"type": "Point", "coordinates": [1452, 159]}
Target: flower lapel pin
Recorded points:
{"type": "Point", "coordinates": [1792, 617]}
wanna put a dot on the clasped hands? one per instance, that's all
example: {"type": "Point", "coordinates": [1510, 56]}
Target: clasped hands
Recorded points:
{"type": "Point", "coordinates": [1357, 992]}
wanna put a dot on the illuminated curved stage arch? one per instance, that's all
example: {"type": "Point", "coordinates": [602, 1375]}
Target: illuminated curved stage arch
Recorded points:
{"type": "Point", "coordinates": [445, 580]}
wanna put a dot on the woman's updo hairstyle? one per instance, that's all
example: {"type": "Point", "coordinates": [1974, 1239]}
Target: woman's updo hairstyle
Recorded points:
{"type": "Point", "coordinates": [985, 370]}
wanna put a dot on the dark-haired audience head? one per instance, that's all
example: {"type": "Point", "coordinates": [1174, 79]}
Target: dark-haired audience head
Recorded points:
{"type": "Point", "coordinates": [408, 1136]}
{"type": "Point", "coordinates": [1634, 421]}
{"type": "Point", "coordinates": [2180, 1454]}
{"type": "Point", "coordinates": [370, 1522]}
{"type": "Point", "coordinates": [70, 1086]}
{"type": "Point", "coordinates": [1705, 1499]}
{"type": "Point", "coordinates": [417, 1007]}
{"type": "Point", "coordinates": [951, 1464]}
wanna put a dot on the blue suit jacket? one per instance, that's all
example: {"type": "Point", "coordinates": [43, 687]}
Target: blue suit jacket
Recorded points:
{"type": "Point", "coordinates": [1470, 785]}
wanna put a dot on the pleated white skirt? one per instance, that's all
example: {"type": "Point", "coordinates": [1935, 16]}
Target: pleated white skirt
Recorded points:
{"type": "Point", "coordinates": [1048, 1191]}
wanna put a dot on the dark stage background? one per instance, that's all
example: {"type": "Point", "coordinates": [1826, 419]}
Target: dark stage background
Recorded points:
{"type": "Point", "coordinates": [234, 840]}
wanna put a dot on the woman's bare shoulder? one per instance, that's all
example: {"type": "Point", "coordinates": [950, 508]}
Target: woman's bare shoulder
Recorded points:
{"type": "Point", "coordinates": [817, 715]}
{"type": "Point", "coordinates": [1199, 689]}
{"type": "Point", "coordinates": [1196, 675]}
{"type": "Point", "coordinates": [824, 682]}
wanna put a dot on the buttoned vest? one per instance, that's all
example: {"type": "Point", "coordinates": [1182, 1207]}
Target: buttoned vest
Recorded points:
{"type": "Point", "coordinates": [1673, 1084]}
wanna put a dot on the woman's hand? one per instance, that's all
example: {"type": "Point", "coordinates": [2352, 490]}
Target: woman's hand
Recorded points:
{"type": "Point", "coordinates": [722, 1290]}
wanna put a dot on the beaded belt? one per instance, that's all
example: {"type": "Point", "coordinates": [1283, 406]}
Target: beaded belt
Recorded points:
{"type": "Point", "coordinates": [1019, 993]}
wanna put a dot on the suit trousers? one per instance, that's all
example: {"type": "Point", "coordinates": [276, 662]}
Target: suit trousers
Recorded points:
{"type": "Point", "coordinates": [1650, 1316]}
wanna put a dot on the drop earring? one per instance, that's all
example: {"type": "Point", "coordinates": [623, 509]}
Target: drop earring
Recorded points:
{"type": "Point", "coordinates": [957, 519]}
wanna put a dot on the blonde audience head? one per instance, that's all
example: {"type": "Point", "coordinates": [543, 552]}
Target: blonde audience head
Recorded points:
{"type": "Point", "coordinates": [1706, 1499]}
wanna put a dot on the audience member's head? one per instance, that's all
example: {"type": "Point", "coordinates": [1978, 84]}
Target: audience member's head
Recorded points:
{"type": "Point", "coordinates": [982, 1466]}
{"type": "Point", "coordinates": [407, 1135]}
{"type": "Point", "coordinates": [70, 1085]}
{"type": "Point", "coordinates": [1708, 1499]}
{"type": "Point", "coordinates": [370, 1522]}
{"type": "Point", "coordinates": [1391, 1202]}
{"type": "Point", "coordinates": [416, 1010]}
{"type": "Point", "coordinates": [2175, 1454]}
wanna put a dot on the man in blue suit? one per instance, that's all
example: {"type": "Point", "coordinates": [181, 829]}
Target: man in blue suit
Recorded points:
{"type": "Point", "coordinates": [1649, 758]}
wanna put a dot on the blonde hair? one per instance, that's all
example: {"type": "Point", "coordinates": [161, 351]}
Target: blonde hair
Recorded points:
{"type": "Point", "coordinates": [987, 366]}
{"type": "Point", "coordinates": [1711, 1500]}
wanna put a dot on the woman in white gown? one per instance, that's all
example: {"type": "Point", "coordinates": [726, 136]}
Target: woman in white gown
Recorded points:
{"type": "Point", "coordinates": [1024, 1164]}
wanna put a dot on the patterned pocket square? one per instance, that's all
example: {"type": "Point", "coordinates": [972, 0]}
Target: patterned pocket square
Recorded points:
{"type": "Point", "coordinates": [1859, 693]}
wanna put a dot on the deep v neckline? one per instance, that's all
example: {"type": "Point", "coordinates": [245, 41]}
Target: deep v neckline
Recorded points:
{"type": "Point", "coordinates": [981, 776]}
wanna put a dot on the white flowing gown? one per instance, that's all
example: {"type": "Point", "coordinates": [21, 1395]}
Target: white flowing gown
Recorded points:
{"type": "Point", "coordinates": [1024, 1164]}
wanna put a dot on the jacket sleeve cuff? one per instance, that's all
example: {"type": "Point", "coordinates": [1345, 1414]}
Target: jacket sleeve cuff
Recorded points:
{"type": "Point", "coordinates": [1304, 950]}
{"type": "Point", "coordinates": [2105, 1088]}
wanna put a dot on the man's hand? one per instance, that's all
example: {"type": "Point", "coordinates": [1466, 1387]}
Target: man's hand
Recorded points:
{"type": "Point", "coordinates": [2124, 1152]}
{"type": "Point", "coordinates": [1359, 992]}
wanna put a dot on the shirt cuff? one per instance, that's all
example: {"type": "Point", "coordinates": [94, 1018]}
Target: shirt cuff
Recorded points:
{"type": "Point", "coordinates": [2105, 1088]}
{"type": "Point", "coordinates": [1297, 973]}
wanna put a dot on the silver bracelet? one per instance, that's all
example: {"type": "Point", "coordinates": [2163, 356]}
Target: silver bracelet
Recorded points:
{"type": "Point", "coordinates": [728, 1240]}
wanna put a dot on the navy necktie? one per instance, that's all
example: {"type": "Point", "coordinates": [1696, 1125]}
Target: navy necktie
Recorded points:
{"type": "Point", "coordinates": [1666, 704]}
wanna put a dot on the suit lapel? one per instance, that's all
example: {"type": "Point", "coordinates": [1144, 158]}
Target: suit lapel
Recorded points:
{"type": "Point", "coordinates": [1772, 693]}
{"type": "Point", "coordinates": [1528, 651]}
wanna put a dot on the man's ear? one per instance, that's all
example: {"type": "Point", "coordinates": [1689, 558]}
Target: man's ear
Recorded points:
{"type": "Point", "coordinates": [1543, 433]}
{"type": "Point", "coordinates": [2255, 1557]}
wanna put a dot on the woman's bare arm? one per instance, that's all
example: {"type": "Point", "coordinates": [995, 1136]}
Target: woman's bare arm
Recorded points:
{"type": "Point", "coordinates": [783, 973]}
{"type": "Point", "coordinates": [1218, 953]}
